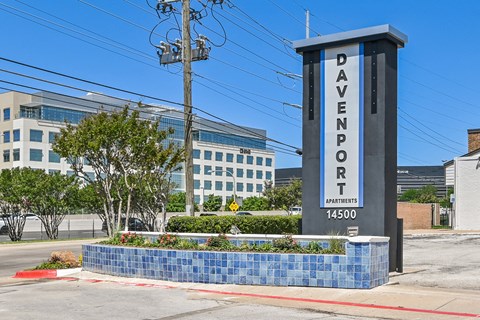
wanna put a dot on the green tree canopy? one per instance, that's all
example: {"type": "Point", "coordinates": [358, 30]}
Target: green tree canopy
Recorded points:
{"type": "Point", "coordinates": [284, 197]}
{"type": "Point", "coordinates": [123, 151]}
{"type": "Point", "coordinates": [214, 203]}
{"type": "Point", "coordinates": [256, 204]}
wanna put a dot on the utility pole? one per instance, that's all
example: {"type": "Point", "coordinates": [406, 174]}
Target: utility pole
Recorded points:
{"type": "Point", "coordinates": [181, 51]}
{"type": "Point", "coordinates": [307, 24]}
{"type": "Point", "coordinates": [187, 102]}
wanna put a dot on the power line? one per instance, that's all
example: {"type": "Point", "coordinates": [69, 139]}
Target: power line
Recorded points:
{"type": "Point", "coordinates": [144, 111]}
{"type": "Point", "coordinates": [291, 15]}
{"type": "Point", "coordinates": [419, 122]}
{"type": "Point", "coordinates": [427, 141]}
{"type": "Point", "coordinates": [254, 35]}
{"type": "Point", "coordinates": [128, 92]}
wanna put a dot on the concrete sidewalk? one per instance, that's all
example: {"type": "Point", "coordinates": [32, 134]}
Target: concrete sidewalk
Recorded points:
{"type": "Point", "coordinates": [390, 301]}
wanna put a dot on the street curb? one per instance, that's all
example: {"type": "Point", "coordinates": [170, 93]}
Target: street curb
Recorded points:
{"type": "Point", "coordinates": [42, 274]}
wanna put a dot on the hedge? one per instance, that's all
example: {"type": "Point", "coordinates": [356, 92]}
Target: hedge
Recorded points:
{"type": "Point", "coordinates": [246, 224]}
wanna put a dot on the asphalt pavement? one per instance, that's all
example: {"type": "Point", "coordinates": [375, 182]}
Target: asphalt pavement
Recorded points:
{"type": "Point", "coordinates": [440, 282]}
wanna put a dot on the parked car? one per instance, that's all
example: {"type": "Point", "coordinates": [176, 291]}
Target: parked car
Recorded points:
{"type": "Point", "coordinates": [243, 213]}
{"type": "Point", "coordinates": [295, 210]}
{"type": "Point", "coordinates": [134, 224]}
{"type": "Point", "coordinates": [3, 227]}
{"type": "Point", "coordinates": [207, 214]}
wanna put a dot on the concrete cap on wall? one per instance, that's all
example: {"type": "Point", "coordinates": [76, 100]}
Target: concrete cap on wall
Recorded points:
{"type": "Point", "coordinates": [385, 31]}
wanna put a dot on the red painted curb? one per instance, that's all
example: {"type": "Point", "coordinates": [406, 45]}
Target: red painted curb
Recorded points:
{"type": "Point", "coordinates": [36, 274]}
{"type": "Point", "coordinates": [342, 303]}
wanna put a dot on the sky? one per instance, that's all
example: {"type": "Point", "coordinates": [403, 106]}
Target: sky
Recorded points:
{"type": "Point", "coordinates": [250, 78]}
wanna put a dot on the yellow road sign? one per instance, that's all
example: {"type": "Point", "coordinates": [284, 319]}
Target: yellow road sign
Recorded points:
{"type": "Point", "coordinates": [233, 206]}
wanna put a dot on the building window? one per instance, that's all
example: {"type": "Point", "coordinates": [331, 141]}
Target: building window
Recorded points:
{"type": "Point", "coordinates": [249, 174]}
{"type": "Point", "coordinates": [196, 198]}
{"type": "Point", "coordinates": [218, 171]}
{"type": "Point", "coordinates": [218, 185]}
{"type": "Point", "coordinates": [196, 154]}
{"type": "Point", "coordinates": [259, 174]}
{"type": "Point", "coordinates": [53, 157]}
{"type": "Point", "coordinates": [6, 114]}
{"type": "Point", "coordinates": [218, 156]}
{"type": "Point", "coordinates": [196, 169]}
{"type": "Point", "coordinates": [249, 187]}
{"type": "Point", "coordinates": [239, 187]}
{"type": "Point", "coordinates": [6, 136]}
{"type": "Point", "coordinates": [249, 159]}
{"type": "Point", "coordinates": [16, 135]}
{"type": "Point", "coordinates": [239, 173]}
{"type": "Point", "coordinates": [36, 135]}
{"type": "Point", "coordinates": [196, 184]}
{"type": "Point", "coordinates": [229, 157]}
{"type": "Point", "coordinates": [268, 162]}
{"type": "Point", "coordinates": [70, 173]}
{"type": "Point", "coordinates": [259, 188]}
{"type": "Point", "coordinates": [91, 176]}
{"type": "Point", "coordinates": [230, 170]}
{"type": "Point", "coordinates": [268, 175]}
{"type": "Point", "coordinates": [52, 136]}
{"type": "Point", "coordinates": [229, 186]}
{"type": "Point", "coordinates": [207, 185]}
{"type": "Point", "coordinates": [239, 158]}
{"type": "Point", "coordinates": [6, 155]}
{"type": "Point", "coordinates": [86, 162]}
{"type": "Point", "coordinates": [36, 155]}
{"type": "Point", "coordinates": [16, 154]}
{"type": "Point", "coordinates": [208, 170]}
{"type": "Point", "coordinates": [207, 155]}
{"type": "Point", "coordinates": [259, 161]}
{"type": "Point", "coordinates": [53, 171]}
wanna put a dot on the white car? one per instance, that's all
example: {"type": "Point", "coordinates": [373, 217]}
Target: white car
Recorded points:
{"type": "Point", "coordinates": [295, 210]}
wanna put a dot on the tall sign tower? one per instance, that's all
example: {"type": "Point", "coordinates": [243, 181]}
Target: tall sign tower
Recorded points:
{"type": "Point", "coordinates": [350, 133]}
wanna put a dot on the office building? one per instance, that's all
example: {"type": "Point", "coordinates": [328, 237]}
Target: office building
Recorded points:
{"type": "Point", "coordinates": [226, 158]}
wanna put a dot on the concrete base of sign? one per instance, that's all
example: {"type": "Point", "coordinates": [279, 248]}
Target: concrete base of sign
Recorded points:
{"type": "Point", "coordinates": [364, 266]}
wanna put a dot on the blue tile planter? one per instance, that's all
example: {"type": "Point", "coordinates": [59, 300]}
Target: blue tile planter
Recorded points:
{"type": "Point", "coordinates": [364, 266]}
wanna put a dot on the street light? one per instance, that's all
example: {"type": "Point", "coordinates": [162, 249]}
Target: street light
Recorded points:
{"type": "Point", "coordinates": [234, 183]}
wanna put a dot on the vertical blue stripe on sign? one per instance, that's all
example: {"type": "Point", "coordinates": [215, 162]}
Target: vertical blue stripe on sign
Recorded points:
{"type": "Point", "coordinates": [322, 128]}
{"type": "Point", "coordinates": [360, 125]}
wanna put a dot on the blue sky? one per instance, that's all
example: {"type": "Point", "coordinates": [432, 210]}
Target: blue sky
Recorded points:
{"type": "Point", "coordinates": [242, 81]}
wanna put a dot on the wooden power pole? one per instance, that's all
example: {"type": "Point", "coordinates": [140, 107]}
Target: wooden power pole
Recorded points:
{"type": "Point", "coordinates": [187, 101]}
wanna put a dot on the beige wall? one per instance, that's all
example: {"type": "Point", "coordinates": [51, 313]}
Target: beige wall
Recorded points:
{"type": "Point", "coordinates": [415, 215]}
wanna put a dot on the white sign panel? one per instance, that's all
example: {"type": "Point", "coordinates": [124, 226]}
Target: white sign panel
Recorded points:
{"type": "Point", "coordinates": [341, 135]}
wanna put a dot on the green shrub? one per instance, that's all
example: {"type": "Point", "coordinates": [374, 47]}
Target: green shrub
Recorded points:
{"type": "Point", "coordinates": [285, 243]}
{"type": "Point", "coordinates": [246, 224]}
{"type": "Point", "coordinates": [221, 242]}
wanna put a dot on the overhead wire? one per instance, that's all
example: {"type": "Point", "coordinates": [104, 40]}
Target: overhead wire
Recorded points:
{"type": "Point", "coordinates": [128, 92]}
{"type": "Point", "coordinates": [144, 111]}
{"type": "Point", "coordinates": [422, 124]}
{"type": "Point", "coordinates": [292, 16]}
{"type": "Point", "coordinates": [162, 69]}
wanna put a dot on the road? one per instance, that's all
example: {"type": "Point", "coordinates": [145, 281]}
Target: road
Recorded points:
{"type": "Point", "coordinates": [20, 256]}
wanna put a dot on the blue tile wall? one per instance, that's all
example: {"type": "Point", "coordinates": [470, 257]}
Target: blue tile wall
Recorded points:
{"type": "Point", "coordinates": [364, 266]}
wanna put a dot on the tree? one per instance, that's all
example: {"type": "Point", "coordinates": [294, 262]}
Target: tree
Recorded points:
{"type": "Point", "coordinates": [13, 204]}
{"type": "Point", "coordinates": [51, 198]}
{"type": "Point", "coordinates": [176, 202]}
{"type": "Point", "coordinates": [427, 194]}
{"type": "Point", "coordinates": [256, 204]}
{"type": "Point", "coordinates": [214, 203]}
{"type": "Point", "coordinates": [284, 197]}
{"type": "Point", "coordinates": [123, 151]}
{"type": "Point", "coordinates": [445, 201]}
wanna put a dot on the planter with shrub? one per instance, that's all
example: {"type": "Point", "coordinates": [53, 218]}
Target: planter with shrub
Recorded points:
{"type": "Point", "coordinates": [279, 260]}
